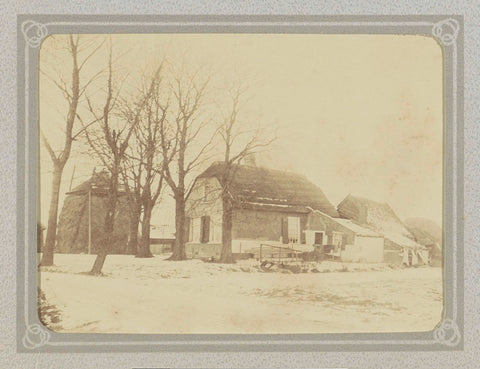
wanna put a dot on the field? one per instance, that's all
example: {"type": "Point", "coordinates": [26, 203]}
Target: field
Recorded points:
{"type": "Point", "coordinates": [158, 296]}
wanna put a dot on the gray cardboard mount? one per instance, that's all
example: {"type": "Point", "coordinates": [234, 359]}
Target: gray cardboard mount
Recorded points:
{"type": "Point", "coordinates": [348, 350]}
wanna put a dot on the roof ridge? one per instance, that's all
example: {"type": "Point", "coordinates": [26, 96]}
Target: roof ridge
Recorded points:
{"type": "Point", "coordinates": [272, 186]}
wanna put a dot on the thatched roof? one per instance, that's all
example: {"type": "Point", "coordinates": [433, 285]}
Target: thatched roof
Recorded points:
{"type": "Point", "coordinates": [98, 184]}
{"type": "Point", "coordinates": [354, 227]}
{"type": "Point", "coordinates": [426, 231]}
{"type": "Point", "coordinates": [377, 216]}
{"type": "Point", "coordinates": [267, 189]}
{"type": "Point", "coordinates": [79, 210]}
{"type": "Point", "coordinates": [349, 224]}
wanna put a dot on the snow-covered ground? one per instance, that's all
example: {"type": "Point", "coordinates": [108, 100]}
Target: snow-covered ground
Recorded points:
{"type": "Point", "coordinates": [158, 296]}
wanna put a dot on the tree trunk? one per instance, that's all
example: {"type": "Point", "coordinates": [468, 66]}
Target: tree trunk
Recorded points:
{"type": "Point", "coordinates": [144, 247]}
{"type": "Point", "coordinates": [108, 228]}
{"type": "Point", "coordinates": [133, 233]}
{"type": "Point", "coordinates": [179, 246]}
{"type": "Point", "coordinates": [107, 240]}
{"type": "Point", "coordinates": [99, 261]}
{"type": "Point", "coordinates": [50, 240]}
{"type": "Point", "coordinates": [226, 255]}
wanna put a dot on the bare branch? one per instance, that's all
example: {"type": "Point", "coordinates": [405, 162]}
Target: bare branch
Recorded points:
{"type": "Point", "coordinates": [93, 52]}
{"type": "Point", "coordinates": [48, 147]}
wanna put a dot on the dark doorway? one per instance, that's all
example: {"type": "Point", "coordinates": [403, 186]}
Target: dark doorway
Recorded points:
{"type": "Point", "coordinates": [318, 238]}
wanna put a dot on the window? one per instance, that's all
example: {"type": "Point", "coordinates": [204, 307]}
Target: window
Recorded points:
{"type": "Point", "coordinates": [293, 230]}
{"type": "Point", "coordinates": [318, 238]}
{"type": "Point", "coordinates": [205, 229]}
{"type": "Point", "coordinates": [337, 240]}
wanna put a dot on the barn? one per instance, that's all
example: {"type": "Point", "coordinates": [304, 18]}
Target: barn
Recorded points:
{"type": "Point", "coordinates": [81, 222]}
{"type": "Point", "coordinates": [400, 244]}
{"type": "Point", "coordinates": [276, 211]}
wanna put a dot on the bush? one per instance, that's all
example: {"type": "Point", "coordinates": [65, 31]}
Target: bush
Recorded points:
{"type": "Point", "coordinates": [49, 314]}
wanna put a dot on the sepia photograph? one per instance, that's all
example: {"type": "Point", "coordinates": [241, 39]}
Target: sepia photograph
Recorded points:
{"type": "Point", "coordinates": [240, 183]}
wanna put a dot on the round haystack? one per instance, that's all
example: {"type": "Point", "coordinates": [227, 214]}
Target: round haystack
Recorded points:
{"type": "Point", "coordinates": [85, 207]}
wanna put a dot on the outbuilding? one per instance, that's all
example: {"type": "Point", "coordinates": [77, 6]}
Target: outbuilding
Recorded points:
{"type": "Point", "coordinates": [400, 245]}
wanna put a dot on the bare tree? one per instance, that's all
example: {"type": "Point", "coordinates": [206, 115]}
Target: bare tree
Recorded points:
{"type": "Point", "coordinates": [109, 145]}
{"type": "Point", "coordinates": [80, 50]}
{"type": "Point", "coordinates": [185, 145]}
{"type": "Point", "coordinates": [131, 178]}
{"type": "Point", "coordinates": [238, 144]}
{"type": "Point", "coordinates": [144, 158]}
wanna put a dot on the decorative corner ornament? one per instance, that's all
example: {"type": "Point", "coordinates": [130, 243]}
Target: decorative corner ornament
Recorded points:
{"type": "Point", "coordinates": [447, 333]}
{"type": "Point", "coordinates": [34, 32]}
{"type": "Point", "coordinates": [446, 31]}
{"type": "Point", "coordinates": [36, 336]}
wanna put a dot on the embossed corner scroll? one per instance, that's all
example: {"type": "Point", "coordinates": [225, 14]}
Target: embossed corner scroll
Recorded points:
{"type": "Point", "coordinates": [446, 31]}
{"type": "Point", "coordinates": [36, 336]}
{"type": "Point", "coordinates": [447, 333]}
{"type": "Point", "coordinates": [34, 33]}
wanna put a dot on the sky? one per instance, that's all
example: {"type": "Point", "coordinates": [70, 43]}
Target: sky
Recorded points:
{"type": "Point", "coordinates": [356, 114]}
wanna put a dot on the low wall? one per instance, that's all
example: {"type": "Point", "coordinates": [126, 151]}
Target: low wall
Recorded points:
{"type": "Point", "coordinates": [203, 250]}
{"type": "Point", "coordinates": [162, 248]}
{"type": "Point", "coordinates": [393, 257]}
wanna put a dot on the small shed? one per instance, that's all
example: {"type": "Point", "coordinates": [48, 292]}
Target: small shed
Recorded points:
{"type": "Point", "coordinates": [344, 239]}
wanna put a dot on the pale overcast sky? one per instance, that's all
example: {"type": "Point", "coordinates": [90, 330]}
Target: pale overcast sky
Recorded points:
{"type": "Point", "coordinates": [359, 114]}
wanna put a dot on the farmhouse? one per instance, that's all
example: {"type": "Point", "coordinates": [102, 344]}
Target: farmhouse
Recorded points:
{"type": "Point", "coordinates": [400, 244]}
{"type": "Point", "coordinates": [81, 221]}
{"type": "Point", "coordinates": [275, 211]}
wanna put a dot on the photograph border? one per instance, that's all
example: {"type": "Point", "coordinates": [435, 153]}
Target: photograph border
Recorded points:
{"type": "Point", "coordinates": [33, 336]}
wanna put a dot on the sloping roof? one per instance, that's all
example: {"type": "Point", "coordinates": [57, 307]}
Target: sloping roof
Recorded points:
{"type": "Point", "coordinates": [268, 189]}
{"type": "Point", "coordinates": [402, 240]}
{"type": "Point", "coordinates": [359, 230]}
{"type": "Point", "coordinates": [349, 224]}
{"type": "Point", "coordinates": [426, 231]}
{"type": "Point", "coordinates": [98, 183]}
{"type": "Point", "coordinates": [377, 216]}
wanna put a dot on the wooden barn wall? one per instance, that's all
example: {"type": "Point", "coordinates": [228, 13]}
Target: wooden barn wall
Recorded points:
{"type": "Point", "coordinates": [390, 245]}
{"type": "Point", "coordinates": [392, 257]}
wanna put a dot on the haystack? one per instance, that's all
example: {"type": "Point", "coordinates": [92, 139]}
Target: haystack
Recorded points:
{"type": "Point", "coordinates": [88, 200]}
